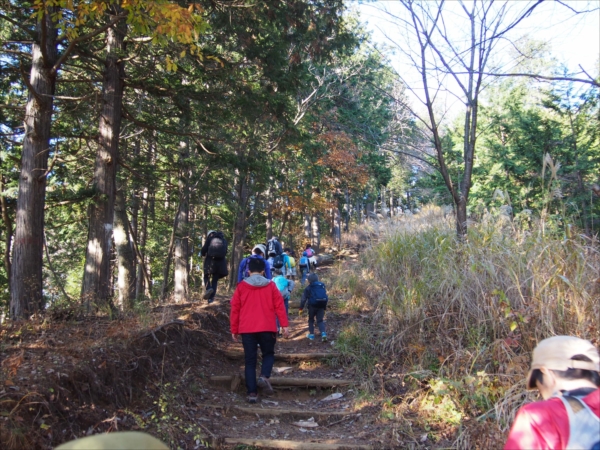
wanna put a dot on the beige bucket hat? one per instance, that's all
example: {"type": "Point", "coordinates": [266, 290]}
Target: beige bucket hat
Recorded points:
{"type": "Point", "coordinates": [556, 353]}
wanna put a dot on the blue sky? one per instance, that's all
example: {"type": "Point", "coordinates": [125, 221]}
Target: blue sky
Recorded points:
{"type": "Point", "coordinates": [574, 39]}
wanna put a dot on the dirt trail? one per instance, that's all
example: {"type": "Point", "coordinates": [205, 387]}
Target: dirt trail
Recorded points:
{"type": "Point", "coordinates": [176, 374]}
{"type": "Point", "coordinates": [305, 375]}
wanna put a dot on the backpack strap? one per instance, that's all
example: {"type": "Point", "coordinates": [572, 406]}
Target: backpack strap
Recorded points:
{"type": "Point", "coordinates": [245, 266]}
{"type": "Point", "coordinates": [583, 423]}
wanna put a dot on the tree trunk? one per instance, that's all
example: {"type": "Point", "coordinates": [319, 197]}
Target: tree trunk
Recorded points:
{"type": "Point", "coordinates": [461, 218]}
{"type": "Point", "coordinates": [28, 244]}
{"type": "Point", "coordinates": [96, 279]}
{"type": "Point", "coordinates": [143, 279]}
{"type": "Point", "coordinates": [125, 255]}
{"type": "Point", "coordinates": [142, 236]}
{"type": "Point", "coordinates": [191, 260]}
{"type": "Point", "coordinates": [370, 213]}
{"type": "Point", "coordinates": [348, 212]}
{"type": "Point", "coordinates": [337, 227]}
{"type": "Point", "coordinates": [269, 222]}
{"type": "Point", "coordinates": [307, 229]}
{"type": "Point", "coordinates": [383, 204]}
{"type": "Point", "coordinates": [182, 231]}
{"type": "Point", "coordinates": [167, 266]}
{"type": "Point", "coordinates": [8, 231]}
{"type": "Point", "coordinates": [239, 229]}
{"type": "Point", "coordinates": [316, 233]}
{"type": "Point", "coordinates": [135, 202]}
{"type": "Point", "coordinates": [284, 222]}
{"type": "Point", "coordinates": [269, 219]}
{"type": "Point", "coordinates": [392, 203]}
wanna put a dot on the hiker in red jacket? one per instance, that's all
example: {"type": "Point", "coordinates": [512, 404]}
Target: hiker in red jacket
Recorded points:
{"type": "Point", "coordinates": [255, 304]}
{"type": "Point", "coordinates": [565, 372]}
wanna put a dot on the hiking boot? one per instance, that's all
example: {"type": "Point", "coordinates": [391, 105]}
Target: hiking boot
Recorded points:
{"type": "Point", "coordinates": [252, 398]}
{"type": "Point", "coordinates": [208, 293]}
{"type": "Point", "coordinates": [310, 336]}
{"type": "Point", "coordinates": [265, 385]}
{"type": "Point", "coordinates": [323, 337]}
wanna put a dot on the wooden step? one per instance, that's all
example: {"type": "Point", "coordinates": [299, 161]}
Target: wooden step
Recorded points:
{"type": "Point", "coordinates": [297, 445]}
{"type": "Point", "coordinates": [291, 412]}
{"type": "Point", "coordinates": [284, 381]}
{"type": "Point", "coordinates": [234, 353]}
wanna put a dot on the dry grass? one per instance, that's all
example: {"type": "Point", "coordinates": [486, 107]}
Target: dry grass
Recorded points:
{"type": "Point", "coordinates": [470, 313]}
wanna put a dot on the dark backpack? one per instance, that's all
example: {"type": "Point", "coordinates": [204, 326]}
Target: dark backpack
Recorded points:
{"type": "Point", "coordinates": [318, 295]}
{"type": "Point", "coordinates": [273, 246]}
{"type": "Point", "coordinates": [217, 247]}
{"type": "Point", "coordinates": [278, 262]}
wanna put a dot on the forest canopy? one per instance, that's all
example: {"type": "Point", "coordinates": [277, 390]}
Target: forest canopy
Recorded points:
{"type": "Point", "coordinates": [129, 129]}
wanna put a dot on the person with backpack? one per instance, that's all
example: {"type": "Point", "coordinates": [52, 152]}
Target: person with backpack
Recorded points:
{"type": "Point", "coordinates": [290, 263]}
{"type": "Point", "coordinates": [274, 246]}
{"type": "Point", "coordinates": [312, 258]}
{"type": "Point", "coordinates": [315, 294]}
{"type": "Point", "coordinates": [277, 261]}
{"type": "Point", "coordinates": [303, 264]}
{"type": "Point", "coordinates": [214, 252]}
{"type": "Point", "coordinates": [255, 303]}
{"type": "Point", "coordinates": [565, 371]}
{"type": "Point", "coordinates": [309, 251]}
{"type": "Point", "coordinates": [258, 251]}
{"type": "Point", "coordinates": [285, 287]}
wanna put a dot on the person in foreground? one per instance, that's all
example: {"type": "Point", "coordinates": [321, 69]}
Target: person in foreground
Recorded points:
{"type": "Point", "coordinates": [565, 371]}
{"type": "Point", "coordinates": [121, 440]}
{"type": "Point", "coordinates": [255, 304]}
{"type": "Point", "coordinates": [315, 294]}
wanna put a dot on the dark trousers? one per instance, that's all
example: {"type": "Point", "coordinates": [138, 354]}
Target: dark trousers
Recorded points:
{"type": "Point", "coordinates": [304, 273]}
{"type": "Point", "coordinates": [319, 314]}
{"type": "Point", "coordinates": [211, 281]}
{"type": "Point", "coordinates": [266, 341]}
{"type": "Point", "coordinates": [286, 302]}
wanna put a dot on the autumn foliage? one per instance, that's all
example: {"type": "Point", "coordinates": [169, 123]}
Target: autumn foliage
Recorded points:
{"type": "Point", "coordinates": [342, 162]}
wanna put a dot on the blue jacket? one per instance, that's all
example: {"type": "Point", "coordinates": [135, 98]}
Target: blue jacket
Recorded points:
{"type": "Point", "coordinates": [243, 266]}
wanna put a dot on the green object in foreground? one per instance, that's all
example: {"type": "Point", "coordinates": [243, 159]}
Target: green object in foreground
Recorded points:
{"type": "Point", "coordinates": [125, 440]}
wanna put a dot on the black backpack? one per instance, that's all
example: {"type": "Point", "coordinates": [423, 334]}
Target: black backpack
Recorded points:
{"type": "Point", "coordinates": [273, 246]}
{"type": "Point", "coordinates": [318, 295]}
{"type": "Point", "coordinates": [278, 262]}
{"type": "Point", "coordinates": [217, 247]}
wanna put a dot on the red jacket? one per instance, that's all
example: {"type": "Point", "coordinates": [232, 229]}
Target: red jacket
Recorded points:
{"type": "Point", "coordinates": [253, 308]}
{"type": "Point", "coordinates": [545, 425]}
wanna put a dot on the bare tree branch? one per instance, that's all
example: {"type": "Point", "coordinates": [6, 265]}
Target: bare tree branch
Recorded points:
{"type": "Point", "coordinates": [546, 78]}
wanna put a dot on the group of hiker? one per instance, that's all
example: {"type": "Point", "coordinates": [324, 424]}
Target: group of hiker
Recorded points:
{"type": "Point", "coordinates": [279, 262]}
{"type": "Point", "coordinates": [260, 303]}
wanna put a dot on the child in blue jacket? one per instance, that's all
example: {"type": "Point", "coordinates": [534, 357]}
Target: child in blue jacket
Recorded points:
{"type": "Point", "coordinates": [315, 294]}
